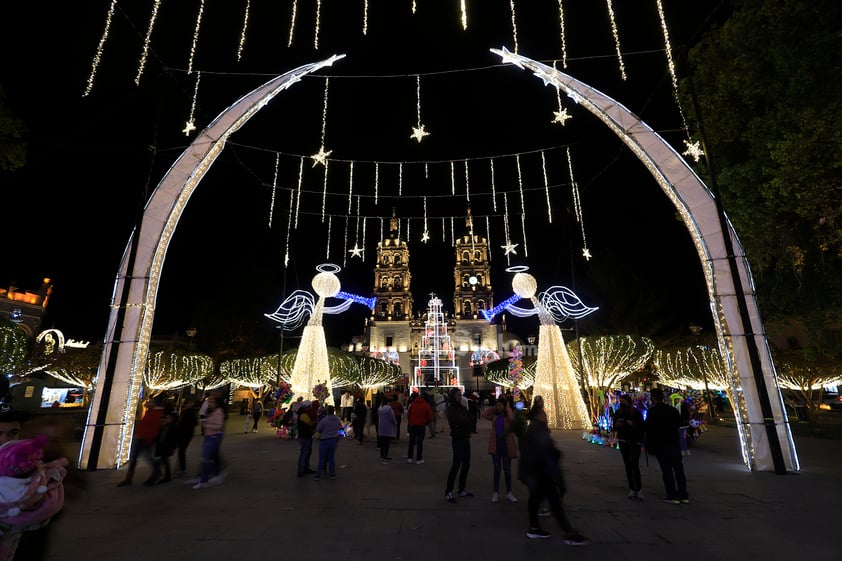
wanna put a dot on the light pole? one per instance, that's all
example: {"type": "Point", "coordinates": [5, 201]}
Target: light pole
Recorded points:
{"type": "Point", "coordinates": [696, 330]}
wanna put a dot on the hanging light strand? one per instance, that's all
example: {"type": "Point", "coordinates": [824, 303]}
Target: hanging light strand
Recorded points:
{"type": "Point", "coordinates": [327, 248]}
{"type": "Point", "coordinates": [318, 24]}
{"type": "Point", "coordinates": [146, 41]}
{"type": "Point", "coordinates": [493, 186]}
{"type": "Point", "coordinates": [350, 186]}
{"type": "Point", "coordinates": [99, 48]}
{"type": "Point", "coordinates": [467, 183]}
{"type": "Point", "coordinates": [546, 187]}
{"type": "Point", "coordinates": [616, 34]}
{"type": "Point", "coordinates": [195, 42]}
{"type": "Point", "coordinates": [275, 189]}
{"type": "Point", "coordinates": [563, 34]}
{"type": "Point", "coordinates": [514, 24]}
{"type": "Point", "coordinates": [292, 22]}
{"type": "Point", "coordinates": [190, 125]}
{"type": "Point", "coordinates": [289, 229]}
{"type": "Point", "coordinates": [300, 181]}
{"type": "Point", "coordinates": [577, 207]}
{"type": "Point", "coordinates": [242, 43]}
{"type": "Point", "coordinates": [365, 17]}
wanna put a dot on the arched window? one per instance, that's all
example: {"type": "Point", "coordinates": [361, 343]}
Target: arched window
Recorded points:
{"type": "Point", "coordinates": [466, 308]}
{"type": "Point", "coordinates": [466, 256]}
{"type": "Point", "coordinates": [397, 258]}
{"type": "Point", "coordinates": [479, 280]}
{"type": "Point", "coordinates": [398, 282]}
{"type": "Point", "coordinates": [465, 279]}
{"type": "Point", "coordinates": [480, 304]}
{"type": "Point", "coordinates": [384, 281]}
{"type": "Point", "coordinates": [384, 308]}
{"type": "Point", "coordinates": [385, 258]}
{"type": "Point", "coordinates": [477, 255]}
{"type": "Point", "coordinates": [398, 310]}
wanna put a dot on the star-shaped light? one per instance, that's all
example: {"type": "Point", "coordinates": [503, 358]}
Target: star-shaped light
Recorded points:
{"type": "Point", "coordinates": [562, 116]}
{"type": "Point", "coordinates": [509, 248]}
{"type": "Point", "coordinates": [320, 156]}
{"type": "Point", "coordinates": [190, 127]}
{"type": "Point", "coordinates": [544, 76]}
{"type": "Point", "coordinates": [694, 150]}
{"type": "Point", "coordinates": [507, 57]}
{"type": "Point", "coordinates": [425, 237]}
{"type": "Point", "coordinates": [586, 253]}
{"type": "Point", "coordinates": [418, 133]}
{"type": "Point", "coordinates": [357, 251]}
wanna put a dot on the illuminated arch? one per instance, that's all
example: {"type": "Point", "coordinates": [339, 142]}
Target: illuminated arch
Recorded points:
{"type": "Point", "coordinates": [111, 417]}
{"type": "Point", "coordinates": [698, 211]}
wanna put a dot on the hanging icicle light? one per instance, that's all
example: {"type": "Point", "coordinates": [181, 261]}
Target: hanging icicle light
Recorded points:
{"type": "Point", "coordinates": [195, 42]}
{"type": "Point", "coordinates": [320, 157]}
{"type": "Point", "coordinates": [418, 132]}
{"type": "Point", "coordinates": [146, 40]}
{"type": "Point", "coordinates": [616, 34]}
{"type": "Point", "coordinates": [244, 30]}
{"type": "Point", "coordinates": [563, 35]}
{"type": "Point", "coordinates": [99, 48]}
{"type": "Point", "coordinates": [275, 189]}
{"type": "Point", "coordinates": [190, 125]}
{"type": "Point", "coordinates": [292, 22]}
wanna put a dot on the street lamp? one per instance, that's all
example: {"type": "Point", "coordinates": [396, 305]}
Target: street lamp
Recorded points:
{"type": "Point", "coordinates": [696, 330]}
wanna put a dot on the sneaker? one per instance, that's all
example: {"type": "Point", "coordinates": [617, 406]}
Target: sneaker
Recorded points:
{"type": "Point", "coordinates": [495, 496]}
{"type": "Point", "coordinates": [511, 498]}
{"type": "Point", "coordinates": [316, 478]}
{"type": "Point", "coordinates": [545, 512]}
{"type": "Point", "coordinates": [670, 501]}
{"type": "Point", "coordinates": [632, 494]}
{"type": "Point", "coordinates": [419, 462]}
{"type": "Point", "coordinates": [639, 495]}
{"type": "Point", "coordinates": [537, 533]}
{"type": "Point", "coordinates": [200, 485]}
{"type": "Point", "coordinates": [575, 538]}
{"type": "Point", "coordinates": [449, 497]}
{"type": "Point", "coordinates": [465, 493]}
{"type": "Point", "coordinates": [409, 460]}
{"type": "Point", "coordinates": [333, 477]}
{"type": "Point", "coordinates": [684, 501]}
{"type": "Point", "coordinates": [384, 461]}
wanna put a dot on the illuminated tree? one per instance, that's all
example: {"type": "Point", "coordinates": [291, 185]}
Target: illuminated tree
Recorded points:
{"type": "Point", "coordinates": [170, 370]}
{"type": "Point", "coordinates": [606, 361]}
{"type": "Point", "coordinates": [802, 379]}
{"type": "Point", "coordinates": [497, 372]}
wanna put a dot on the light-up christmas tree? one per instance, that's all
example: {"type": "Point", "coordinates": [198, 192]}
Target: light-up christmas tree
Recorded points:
{"type": "Point", "coordinates": [436, 360]}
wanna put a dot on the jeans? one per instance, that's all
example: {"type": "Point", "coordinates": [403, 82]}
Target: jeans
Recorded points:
{"type": "Point", "coordinates": [672, 469]}
{"type": "Point", "coordinates": [416, 437]}
{"type": "Point", "coordinates": [327, 453]}
{"type": "Point", "coordinates": [631, 460]}
{"type": "Point", "coordinates": [461, 463]}
{"type": "Point", "coordinates": [502, 463]}
{"type": "Point", "coordinates": [210, 455]}
{"type": "Point", "coordinates": [305, 449]}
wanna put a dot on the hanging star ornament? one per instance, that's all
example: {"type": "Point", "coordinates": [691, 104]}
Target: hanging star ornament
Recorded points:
{"type": "Point", "coordinates": [561, 117]}
{"type": "Point", "coordinates": [586, 253]}
{"type": "Point", "coordinates": [320, 156]}
{"type": "Point", "coordinates": [419, 132]}
{"type": "Point", "coordinates": [509, 248]}
{"type": "Point", "coordinates": [188, 128]}
{"type": "Point", "coordinates": [425, 237]}
{"type": "Point", "coordinates": [694, 150]}
{"type": "Point", "coordinates": [356, 251]}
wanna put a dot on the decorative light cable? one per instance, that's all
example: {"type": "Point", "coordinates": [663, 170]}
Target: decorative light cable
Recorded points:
{"type": "Point", "coordinates": [195, 42]}
{"type": "Point", "coordinates": [320, 157]}
{"type": "Point", "coordinates": [327, 249]}
{"type": "Point", "coordinates": [318, 24]}
{"type": "Point", "coordinates": [244, 30]}
{"type": "Point", "coordinates": [464, 15]}
{"type": "Point", "coordinates": [146, 41]}
{"type": "Point", "coordinates": [563, 34]}
{"type": "Point", "coordinates": [292, 22]}
{"type": "Point", "coordinates": [488, 234]}
{"type": "Point", "coordinates": [365, 17]}
{"type": "Point", "coordinates": [561, 116]}
{"type": "Point", "coordinates": [400, 179]}
{"type": "Point", "coordinates": [289, 230]}
{"type": "Point", "coordinates": [363, 237]}
{"type": "Point", "coordinates": [418, 131]}
{"type": "Point", "coordinates": [426, 235]}
{"type": "Point", "coordinates": [275, 189]}
{"type": "Point", "coordinates": [493, 186]}
{"type": "Point", "coordinates": [350, 186]}
{"type": "Point", "coordinates": [514, 23]}
{"type": "Point", "coordinates": [467, 183]}
{"type": "Point", "coordinates": [190, 125]}
{"type": "Point", "coordinates": [546, 187]}
{"type": "Point", "coordinates": [376, 181]}
{"type": "Point", "coordinates": [345, 242]}
{"type": "Point", "coordinates": [509, 248]}
{"type": "Point", "coordinates": [443, 230]}
{"type": "Point", "coordinates": [408, 237]}
{"type": "Point", "coordinates": [452, 233]}
{"type": "Point", "coordinates": [426, 170]}
{"type": "Point", "coordinates": [616, 34]}
{"type": "Point", "coordinates": [577, 207]}
{"type": "Point", "coordinates": [523, 229]}
{"type": "Point", "coordinates": [452, 178]}
{"type": "Point", "coordinates": [670, 62]}
{"type": "Point", "coordinates": [522, 206]}
{"type": "Point", "coordinates": [357, 251]}
{"type": "Point", "coordinates": [100, 46]}
{"type": "Point", "coordinates": [414, 6]}
{"type": "Point", "coordinates": [324, 191]}
{"type": "Point", "coordinates": [300, 179]}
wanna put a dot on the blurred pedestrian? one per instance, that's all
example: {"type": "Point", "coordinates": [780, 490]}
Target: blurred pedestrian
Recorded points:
{"type": "Point", "coordinates": [460, 441]}
{"type": "Point", "coordinates": [306, 426]}
{"type": "Point", "coordinates": [358, 417]}
{"type": "Point", "coordinates": [501, 446]}
{"type": "Point", "coordinates": [185, 429]}
{"type": "Point", "coordinates": [628, 429]}
{"type": "Point", "coordinates": [165, 445]}
{"type": "Point", "coordinates": [213, 427]}
{"type": "Point", "coordinates": [387, 427]}
{"type": "Point", "coordinates": [256, 413]}
{"type": "Point", "coordinates": [397, 409]}
{"type": "Point", "coordinates": [145, 436]}
{"type": "Point", "coordinates": [347, 404]}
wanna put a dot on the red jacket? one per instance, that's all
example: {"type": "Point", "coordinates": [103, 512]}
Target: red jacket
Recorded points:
{"type": "Point", "coordinates": [419, 414]}
{"type": "Point", "coordinates": [150, 425]}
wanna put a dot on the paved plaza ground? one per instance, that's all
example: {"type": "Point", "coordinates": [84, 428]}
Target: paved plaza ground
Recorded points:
{"type": "Point", "coordinates": [397, 512]}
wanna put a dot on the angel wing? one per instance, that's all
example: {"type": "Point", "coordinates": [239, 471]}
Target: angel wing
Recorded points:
{"type": "Point", "coordinates": [562, 303]}
{"type": "Point", "coordinates": [294, 310]}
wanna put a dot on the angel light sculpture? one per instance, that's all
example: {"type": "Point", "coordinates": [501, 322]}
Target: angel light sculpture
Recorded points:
{"type": "Point", "coordinates": [555, 379]}
{"type": "Point", "coordinates": [311, 362]}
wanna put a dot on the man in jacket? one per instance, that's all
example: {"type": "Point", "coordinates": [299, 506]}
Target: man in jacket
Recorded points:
{"type": "Point", "coordinates": [461, 425]}
{"type": "Point", "coordinates": [663, 440]}
{"type": "Point", "coordinates": [418, 416]}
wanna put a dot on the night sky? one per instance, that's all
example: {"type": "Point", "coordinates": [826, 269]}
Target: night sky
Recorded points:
{"type": "Point", "coordinates": [93, 160]}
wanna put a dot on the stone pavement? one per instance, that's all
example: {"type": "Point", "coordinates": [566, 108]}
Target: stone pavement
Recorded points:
{"type": "Point", "coordinates": [398, 512]}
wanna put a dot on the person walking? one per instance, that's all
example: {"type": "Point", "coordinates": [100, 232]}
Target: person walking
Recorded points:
{"type": "Point", "coordinates": [431, 402]}
{"type": "Point", "coordinates": [358, 417]}
{"type": "Point", "coordinates": [460, 441]}
{"type": "Point", "coordinates": [145, 435]}
{"type": "Point", "coordinates": [165, 445]}
{"type": "Point", "coordinates": [540, 471]}
{"type": "Point", "coordinates": [397, 409]}
{"type": "Point", "coordinates": [628, 429]}
{"type": "Point", "coordinates": [387, 427]}
{"type": "Point", "coordinates": [306, 426]}
{"type": "Point", "coordinates": [347, 404]}
{"type": "Point", "coordinates": [501, 446]}
{"type": "Point", "coordinates": [256, 413]}
{"type": "Point", "coordinates": [662, 437]}
{"type": "Point", "coordinates": [185, 428]}
{"type": "Point", "coordinates": [328, 431]}
{"type": "Point", "coordinates": [418, 416]}
{"type": "Point", "coordinates": [213, 427]}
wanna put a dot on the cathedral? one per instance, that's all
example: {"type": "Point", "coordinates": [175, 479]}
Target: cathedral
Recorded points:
{"type": "Point", "coordinates": [433, 345]}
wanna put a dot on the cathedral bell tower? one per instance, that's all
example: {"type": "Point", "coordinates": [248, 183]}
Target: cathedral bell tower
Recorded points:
{"type": "Point", "coordinates": [391, 277]}
{"type": "Point", "coordinates": [472, 273]}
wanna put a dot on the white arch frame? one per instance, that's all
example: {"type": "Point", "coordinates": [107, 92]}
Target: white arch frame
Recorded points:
{"type": "Point", "coordinates": [130, 340]}
{"type": "Point", "coordinates": [697, 207]}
